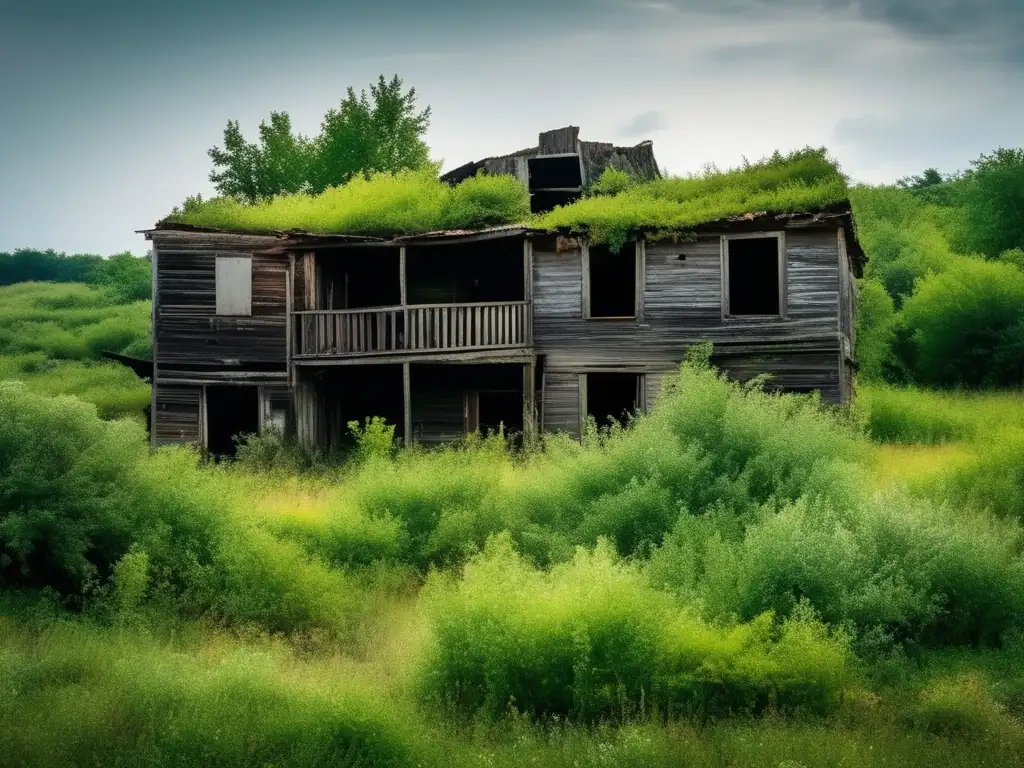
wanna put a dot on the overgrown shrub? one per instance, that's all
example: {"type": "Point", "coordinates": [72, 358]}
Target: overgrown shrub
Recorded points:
{"type": "Point", "coordinates": [967, 325]}
{"type": "Point", "coordinates": [994, 478]}
{"type": "Point", "coordinates": [590, 639]}
{"type": "Point", "coordinates": [957, 707]}
{"type": "Point", "coordinates": [917, 571]}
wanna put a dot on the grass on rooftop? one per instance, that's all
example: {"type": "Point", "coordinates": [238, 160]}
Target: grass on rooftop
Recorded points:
{"type": "Point", "coordinates": [416, 201]}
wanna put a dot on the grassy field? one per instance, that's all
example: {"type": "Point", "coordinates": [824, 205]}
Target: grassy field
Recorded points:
{"type": "Point", "coordinates": [739, 579]}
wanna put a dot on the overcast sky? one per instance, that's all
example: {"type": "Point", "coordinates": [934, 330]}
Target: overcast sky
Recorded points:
{"type": "Point", "coordinates": [107, 108]}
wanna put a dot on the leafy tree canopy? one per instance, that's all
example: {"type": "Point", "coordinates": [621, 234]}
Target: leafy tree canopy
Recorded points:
{"type": "Point", "coordinates": [367, 133]}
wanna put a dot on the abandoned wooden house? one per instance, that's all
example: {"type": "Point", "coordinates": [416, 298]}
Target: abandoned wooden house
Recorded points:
{"type": "Point", "coordinates": [450, 332]}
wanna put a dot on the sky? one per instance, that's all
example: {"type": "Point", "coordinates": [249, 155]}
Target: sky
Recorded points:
{"type": "Point", "coordinates": [108, 108]}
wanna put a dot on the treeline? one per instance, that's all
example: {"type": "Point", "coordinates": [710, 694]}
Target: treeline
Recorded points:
{"type": "Point", "coordinates": [126, 276]}
{"type": "Point", "coordinates": [942, 300]}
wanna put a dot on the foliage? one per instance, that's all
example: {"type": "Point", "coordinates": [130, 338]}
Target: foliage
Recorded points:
{"type": "Point", "coordinates": [876, 330]}
{"type": "Point", "coordinates": [968, 325]}
{"type": "Point", "coordinates": [993, 198]}
{"type": "Point", "coordinates": [904, 566]}
{"type": "Point", "coordinates": [365, 135]}
{"type": "Point", "coordinates": [591, 640]}
{"type": "Point", "coordinates": [126, 276]}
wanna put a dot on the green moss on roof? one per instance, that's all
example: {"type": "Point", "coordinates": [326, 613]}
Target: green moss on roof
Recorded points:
{"type": "Point", "coordinates": [416, 202]}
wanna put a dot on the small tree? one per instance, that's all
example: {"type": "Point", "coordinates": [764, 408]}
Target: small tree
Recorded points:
{"type": "Point", "coordinates": [382, 131]}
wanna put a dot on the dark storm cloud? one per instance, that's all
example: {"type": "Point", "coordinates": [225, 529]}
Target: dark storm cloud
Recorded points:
{"type": "Point", "coordinates": [994, 26]}
{"type": "Point", "coordinates": [644, 123]}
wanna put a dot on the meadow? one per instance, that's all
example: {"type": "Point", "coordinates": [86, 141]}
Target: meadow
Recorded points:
{"type": "Point", "coordinates": [739, 578]}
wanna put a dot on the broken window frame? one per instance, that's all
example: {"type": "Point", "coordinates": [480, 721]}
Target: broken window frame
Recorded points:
{"type": "Point", "coordinates": [639, 280]}
{"type": "Point", "coordinates": [780, 236]}
{"type": "Point", "coordinates": [583, 379]}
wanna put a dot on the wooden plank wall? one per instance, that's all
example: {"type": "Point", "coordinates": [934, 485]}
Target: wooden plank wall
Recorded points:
{"type": "Point", "coordinates": [683, 305]}
{"type": "Point", "coordinates": [192, 341]}
{"type": "Point", "coordinates": [176, 418]}
{"type": "Point", "coordinates": [438, 416]}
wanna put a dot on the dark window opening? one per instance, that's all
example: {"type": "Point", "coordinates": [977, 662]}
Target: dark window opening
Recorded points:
{"type": "Point", "coordinates": [500, 410]}
{"type": "Point", "coordinates": [354, 278]}
{"type": "Point", "coordinates": [548, 200]}
{"type": "Point", "coordinates": [485, 271]}
{"type": "Point", "coordinates": [754, 276]}
{"type": "Point", "coordinates": [555, 172]}
{"type": "Point", "coordinates": [230, 411]}
{"type": "Point", "coordinates": [613, 396]}
{"type": "Point", "coordinates": [613, 282]}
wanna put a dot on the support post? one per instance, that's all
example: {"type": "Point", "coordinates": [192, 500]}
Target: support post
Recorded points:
{"type": "Point", "coordinates": [407, 403]}
{"type": "Point", "coordinates": [405, 299]}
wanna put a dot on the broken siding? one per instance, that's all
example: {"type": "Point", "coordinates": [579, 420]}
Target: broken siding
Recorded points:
{"type": "Point", "coordinates": [561, 402]}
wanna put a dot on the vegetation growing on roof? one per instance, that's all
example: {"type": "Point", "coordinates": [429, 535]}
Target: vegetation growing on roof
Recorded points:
{"type": "Point", "coordinates": [381, 204]}
{"type": "Point", "coordinates": [806, 179]}
{"type": "Point", "coordinates": [415, 201]}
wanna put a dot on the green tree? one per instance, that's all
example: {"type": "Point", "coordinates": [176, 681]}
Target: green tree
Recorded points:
{"type": "Point", "coordinates": [278, 164]}
{"type": "Point", "coordinates": [993, 196]}
{"type": "Point", "coordinates": [379, 131]}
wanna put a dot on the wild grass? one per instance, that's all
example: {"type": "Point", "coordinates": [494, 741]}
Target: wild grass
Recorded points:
{"type": "Point", "coordinates": [416, 201]}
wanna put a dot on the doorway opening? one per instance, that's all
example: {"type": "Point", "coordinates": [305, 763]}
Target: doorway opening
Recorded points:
{"type": "Point", "coordinates": [230, 411]}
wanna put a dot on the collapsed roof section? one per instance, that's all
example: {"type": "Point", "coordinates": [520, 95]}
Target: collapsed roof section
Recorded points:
{"type": "Point", "coordinates": [561, 167]}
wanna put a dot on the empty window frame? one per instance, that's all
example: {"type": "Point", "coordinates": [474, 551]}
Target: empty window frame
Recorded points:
{"type": "Point", "coordinates": [233, 278]}
{"type": "Point", "coordinates": [613, 282]}
{"type": "Point", "coordinates": [608, 397]}
{"type": "Point", "coordinates": [754, 275]}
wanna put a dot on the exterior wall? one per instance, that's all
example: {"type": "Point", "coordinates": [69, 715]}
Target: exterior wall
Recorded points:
{"type": "Point", "coordinates": [681, 305]}
{"type": "Point", "coordinates": [193, 346]}
{"type": "Point", "coordinates": [438, 416]}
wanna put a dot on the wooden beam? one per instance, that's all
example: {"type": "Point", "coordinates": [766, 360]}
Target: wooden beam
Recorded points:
{"type": "Point", "coordinates": [407, 403]}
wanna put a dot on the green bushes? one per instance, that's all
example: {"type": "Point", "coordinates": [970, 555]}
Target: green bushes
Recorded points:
{"type": "Point", "coordinates": [592, 640]}
{"type": "Point", "coordinates": [968, 325]}
{"type": "Point", "coordinates": [931, 575]}
{"type": "Point", "coordinates": [77, 493]}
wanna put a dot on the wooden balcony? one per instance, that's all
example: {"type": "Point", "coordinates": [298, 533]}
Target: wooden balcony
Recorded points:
{"type": "Point", "coordinates": [419, 328]}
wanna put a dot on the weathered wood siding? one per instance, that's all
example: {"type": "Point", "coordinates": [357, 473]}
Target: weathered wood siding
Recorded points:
{"type": "Point", "coordinates": [192, 341]}
{"type": "Point", "coordinates": [193, 345]}
{"type": "Point", "coordinates": [682, 304]}
{"type": "Point", "coordinates": [177, 416]}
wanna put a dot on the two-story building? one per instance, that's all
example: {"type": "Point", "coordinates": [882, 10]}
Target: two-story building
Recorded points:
{"type": "Point", "coordinates": [446, 333]}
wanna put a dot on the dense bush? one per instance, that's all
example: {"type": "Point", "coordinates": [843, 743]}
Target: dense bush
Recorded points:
{"type": "Point", "coordinates": [77, 493]}
{"type": "Point", "coordinates": [114, 389]}
{"type": "Point", "coordinates": [916, 571]}
{"type": "Point", "coordinates": [994, 477]}
{"type": "Point", "coordinates": [968, 325]}
{"type": "Point", "coordinates": [591, 640]}
{"type": "Point", "coordinates": [876, 330]}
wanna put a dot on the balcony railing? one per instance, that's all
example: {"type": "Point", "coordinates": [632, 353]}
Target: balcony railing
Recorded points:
{"type": "Point", "coordinates": [414, 328]}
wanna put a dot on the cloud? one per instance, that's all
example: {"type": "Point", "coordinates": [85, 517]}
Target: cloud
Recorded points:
{"type": "Point", "coordinates": [644, 123]}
